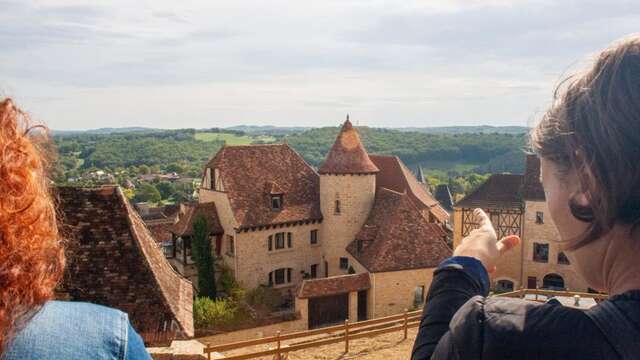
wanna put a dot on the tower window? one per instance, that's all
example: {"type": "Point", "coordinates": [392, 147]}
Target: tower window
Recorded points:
{"type": "Point", "coordinates": [314, 237]}
{"type": "Point", "coordinates": [344, 263]}
{"type": "Point", "coordinates": [337, 208]}
{"type": "Point", "coordinates": [539, 217]}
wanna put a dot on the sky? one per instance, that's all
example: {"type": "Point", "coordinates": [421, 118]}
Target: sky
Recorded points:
{"type": "Point", "coordinates": [209, 63]}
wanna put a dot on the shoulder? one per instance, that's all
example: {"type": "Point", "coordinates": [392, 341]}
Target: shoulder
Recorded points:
{"type": "Point", "coordinates": [72, 330]}
{"type": "Point", "coordinates": [508, 328]}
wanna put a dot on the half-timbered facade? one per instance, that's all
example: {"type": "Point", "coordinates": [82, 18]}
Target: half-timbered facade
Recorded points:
{"type": "Point", "coordinates": [516, 206]}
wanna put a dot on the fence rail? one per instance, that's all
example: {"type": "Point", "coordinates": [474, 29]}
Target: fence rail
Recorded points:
{"type": "Point", "coordinates": [350, 331]}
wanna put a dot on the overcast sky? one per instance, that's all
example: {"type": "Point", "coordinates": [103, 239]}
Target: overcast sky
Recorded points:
{"type": "Point", "coordinates": [175, 64]}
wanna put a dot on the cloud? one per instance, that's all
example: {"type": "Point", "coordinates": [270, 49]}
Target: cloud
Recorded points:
{"type": "Point", "coordinates": [439, 62]}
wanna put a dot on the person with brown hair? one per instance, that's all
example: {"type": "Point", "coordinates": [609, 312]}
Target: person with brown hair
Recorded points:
{"type": "Point", "coordinates": [32, 261]}
{"type": "Point", "coordinates": [589, 148]}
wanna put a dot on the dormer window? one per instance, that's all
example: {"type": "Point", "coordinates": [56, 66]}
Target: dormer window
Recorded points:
{"type": "Point", "coordinates": [276, 202]}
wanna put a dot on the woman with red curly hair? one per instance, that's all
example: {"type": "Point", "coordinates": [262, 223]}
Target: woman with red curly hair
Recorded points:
{"type": "Point", "coordinates": [32, 326]}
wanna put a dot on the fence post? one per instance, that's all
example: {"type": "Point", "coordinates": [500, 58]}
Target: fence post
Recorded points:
{"type": "Point", "coordinates": [346, 336]}
{"type": "Point", "coordinates": [207, 350]}
{"type": "Point", "coordinates": [406, 323]}
{"type": "Point", "coordinates": [278, 345]}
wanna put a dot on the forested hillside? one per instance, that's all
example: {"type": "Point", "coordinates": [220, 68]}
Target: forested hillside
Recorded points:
{"type": "Point", "coordinates": [458, 158]}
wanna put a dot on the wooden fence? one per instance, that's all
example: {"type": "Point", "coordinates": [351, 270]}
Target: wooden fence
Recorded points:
{"type": "Point", "coordinates": [362, 329]}
{"type": "Point", "coordinates": [340, 333]}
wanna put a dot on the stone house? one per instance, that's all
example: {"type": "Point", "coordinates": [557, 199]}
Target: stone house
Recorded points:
{"type": "Point", "coordinates": [516, 205]}
{"type": "Point", "coordinates": [179, 250]}
{"type": "Point", "coordinates": [113, 260]}
{"type": "Point", "coordinates": [358, 216]}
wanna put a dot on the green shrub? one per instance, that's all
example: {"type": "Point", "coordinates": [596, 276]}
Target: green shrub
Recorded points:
{"type": "Point", "coordinates": [209, 313]}
{"type": "Point", "coordinates": [229, 285]}
{"type": "Point", "coordinates": [264, 297]}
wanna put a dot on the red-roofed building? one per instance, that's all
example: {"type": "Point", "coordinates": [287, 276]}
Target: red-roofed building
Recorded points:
{"type": "Point", "coordinates": [516, 205]}
{"type": "Point", "coordinates": [282, 222]}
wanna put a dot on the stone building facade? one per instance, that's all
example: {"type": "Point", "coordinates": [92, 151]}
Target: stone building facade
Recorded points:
{"type": "Point", "coordinates": [285, 224]}
{"type": "Point", "coordinates": [516, 205]}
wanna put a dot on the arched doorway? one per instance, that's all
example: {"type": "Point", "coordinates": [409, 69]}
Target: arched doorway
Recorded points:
{"type": "Point", "coordinates": [553, 281]}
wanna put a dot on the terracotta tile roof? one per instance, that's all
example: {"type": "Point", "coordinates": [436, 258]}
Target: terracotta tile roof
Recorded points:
{"type": "Point", "coordinates": [160, 232]}
{"type": "Point", "coordinates": [396, 236]}
{"type": "Point", "coordinates": [247, 170]}
{"type": "Point", "coordinates": [498, 192]}
{"type": "Point", "coordinates": [114, 261]}
{"type": "Point", "coordinates": [395, 175]}
{"type": "Point", "coordinates": [333, 285]}
{"type": "Point", "coordinates": [348, 155]}
{"type": "Point", "coordinates": [443, 195]}
{"type": "Point", "coordinates": [532, 187]}
{"type": "Point", "coordinates": [184, 225]}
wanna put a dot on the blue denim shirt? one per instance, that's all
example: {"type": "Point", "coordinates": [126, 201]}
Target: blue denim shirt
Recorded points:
{"type": "Point", "coordinates": [73, 330]}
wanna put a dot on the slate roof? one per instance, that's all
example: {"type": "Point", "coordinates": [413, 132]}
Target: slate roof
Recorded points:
{"type": "Point", "coordinates": [333, 285]}
{"type": "Point", "coordinates": [348, 155]}
{"type": "Point", "coordinates": [395, 175]}
{"type": "Point", "coordinates": [532, 187]}
{"type": "Point", "coordinates": [443, 195]}
{"type": "Point", "coordinates": [114, 261]}
{"type": "Point", "coordinates": [396, 236]}
{"type": "Point", "coordinates": [191, 212]}
{"type": "Point", "coordinates": [499, 191]}
{"type": "Point", "coordinates": [252, 173]}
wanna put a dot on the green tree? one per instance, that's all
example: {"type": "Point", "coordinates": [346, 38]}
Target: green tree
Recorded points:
{"type": "Point", "coordinates": [147, 192]}
{"type": "Point", "coordinates": [144, 169]}
{"type": "Point", "coordinates": [201, 253]}
{"type": "Point", "coordinates": [166, 189]}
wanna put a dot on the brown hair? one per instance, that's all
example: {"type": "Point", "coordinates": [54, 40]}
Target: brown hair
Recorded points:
{"type": "Point", "coordinates": [31, 254]}
{"type": "Point", "coordinates": [593, 127]}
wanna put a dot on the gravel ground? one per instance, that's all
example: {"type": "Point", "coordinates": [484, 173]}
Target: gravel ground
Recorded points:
{"type": "Point", "coordinates": [383, 347]}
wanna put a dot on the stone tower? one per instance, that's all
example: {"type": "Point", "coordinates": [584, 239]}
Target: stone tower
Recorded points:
{"type": "Point", "coordinates": [347, 193]}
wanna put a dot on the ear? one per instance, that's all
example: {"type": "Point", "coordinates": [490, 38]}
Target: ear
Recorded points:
{"type": "Point", "coordinates": [582, 198]}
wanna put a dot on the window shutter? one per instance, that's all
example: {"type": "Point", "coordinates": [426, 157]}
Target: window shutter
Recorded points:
{"type": "Point", "coordinates": [289, 240]}
{"type": "Point", "coordinates": [288, 275]}
{"type": "Point", "coordinates": [270, 242]}
{"type": "Point", "coordinates": [271, 278]}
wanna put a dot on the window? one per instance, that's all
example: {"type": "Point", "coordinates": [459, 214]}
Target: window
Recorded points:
{"type": "Point", "coordinates": [314, 237]}
{"type": "Point", "coordinates": [337, 210]}
{"type": "Point", "coordinates": [539, 217]}
{"type": "Point", "coordinates": [344, 263]}
{"type": "Point", "coordinates": [276, 202]}
{"type": "Point", "coordinates": [562, 259]}
{"type": "Point", "coordinates": [541, 252]}
{"type": "Point", "coordinates": [167, 247]}
{"type": "Point", "coordinates": [418, 296]}
{"type": "Point", "coordinates": [280, 276]}
{"type": "Point", "coordinates": [314, 271]}
{"type": "Point", "coordinates": [504, 285]}
{"type": "Point", "coordinates": [280, 241]}
{"type": "Point", "coordinates": [232, 247]}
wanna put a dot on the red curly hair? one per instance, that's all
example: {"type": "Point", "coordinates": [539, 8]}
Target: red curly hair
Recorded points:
{"type": "Point", "coordinates": [31, 252]}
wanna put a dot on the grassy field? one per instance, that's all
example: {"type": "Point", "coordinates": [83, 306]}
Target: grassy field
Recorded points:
{"type": "Point", "coordinates": [233, 139]}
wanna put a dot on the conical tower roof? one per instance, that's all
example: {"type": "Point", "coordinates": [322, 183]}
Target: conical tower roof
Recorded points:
{"type": "Point", "coordinates": [348, 155]}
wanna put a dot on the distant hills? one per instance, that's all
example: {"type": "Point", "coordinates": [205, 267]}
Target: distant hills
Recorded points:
{"type": "Point", "coordinates": [277, 130]}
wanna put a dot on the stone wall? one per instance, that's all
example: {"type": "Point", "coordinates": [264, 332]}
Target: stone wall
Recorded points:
{"type": "Point", "coordinates": [356, 194]}
{"type": "Point", "coordinates": [394, 291]}
{"type": "Point", "coordinates": [227, 221]}
{"type": "Point", "coordinates": [545, 233]}
{"type": "Point", "coordinates": [255, 261]}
